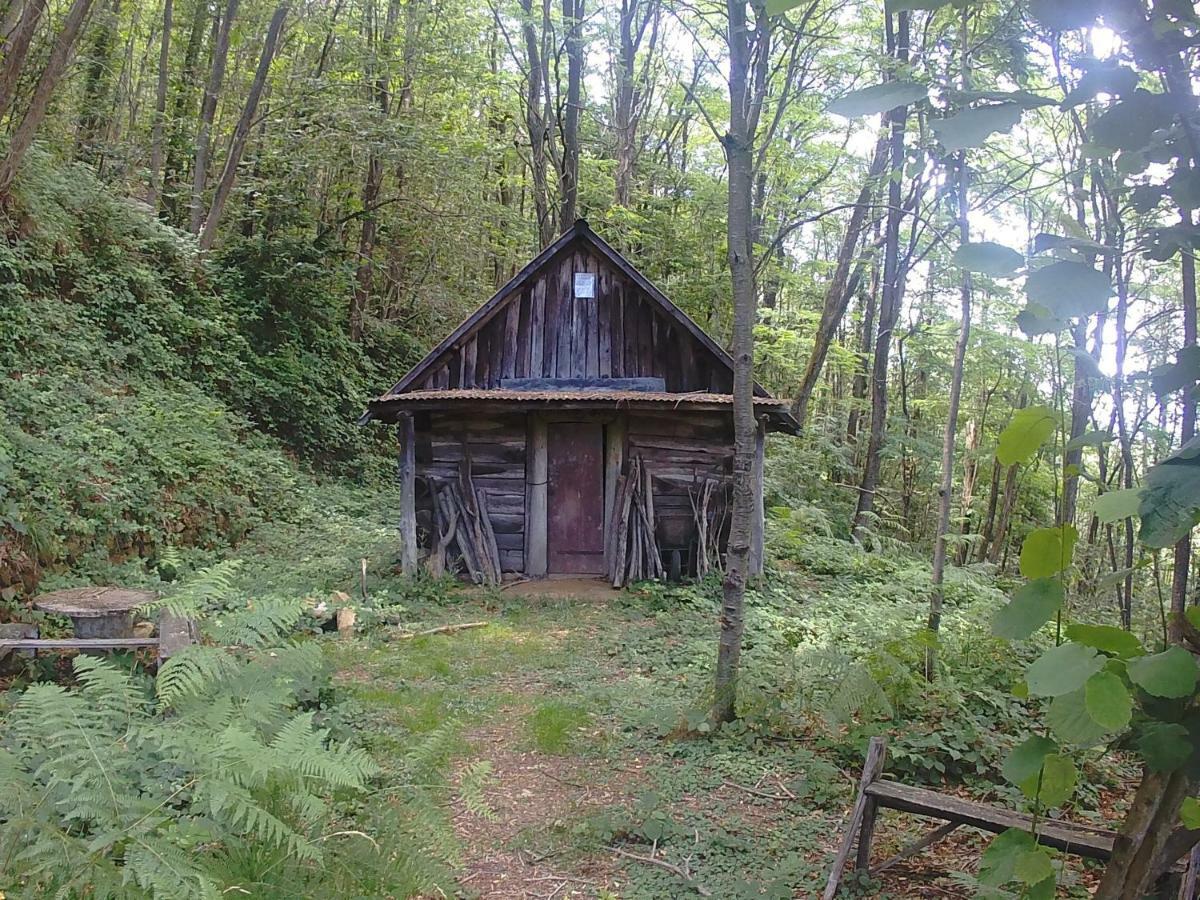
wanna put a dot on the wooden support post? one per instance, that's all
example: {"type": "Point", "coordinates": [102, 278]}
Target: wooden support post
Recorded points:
{"type": "Point", "coordinates": [406, 471]}
{"type": "Point", "coordinates": [536, 474]}
{"type": "Point", "coordinates": [614, 458]}
{"type": "Point", "coordinates": [872, 769]}
{"type": "Point", "coordinates": [758, 524]}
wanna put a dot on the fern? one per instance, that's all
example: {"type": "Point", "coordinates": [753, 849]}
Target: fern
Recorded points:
{"type": "Point", "coordinates": [473, 781]}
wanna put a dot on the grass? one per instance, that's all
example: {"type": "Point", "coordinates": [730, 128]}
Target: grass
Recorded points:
{"type": "Point", "coordinates": [530, 748]}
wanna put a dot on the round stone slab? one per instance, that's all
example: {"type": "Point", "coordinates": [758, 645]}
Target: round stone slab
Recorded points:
{"type": "Point", "coordinates": [92, 602]}
{"type": "Point", "coordinates": [96, 612]}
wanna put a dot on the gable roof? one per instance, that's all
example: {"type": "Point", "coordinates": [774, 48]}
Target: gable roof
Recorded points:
{"type": "Point", "coordinates": [583, 233]}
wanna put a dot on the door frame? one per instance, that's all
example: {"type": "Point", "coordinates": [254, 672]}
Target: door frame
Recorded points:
{"type": "Point", "coordinates": [537, 556]}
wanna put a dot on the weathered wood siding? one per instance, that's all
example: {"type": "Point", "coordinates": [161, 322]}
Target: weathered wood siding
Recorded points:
{"type": "Point", "coordinates": [495, 448]}
{"type": "Point", "coordinates": [544, 331]}
{"type": "Point", "coordinates": [680, 452]}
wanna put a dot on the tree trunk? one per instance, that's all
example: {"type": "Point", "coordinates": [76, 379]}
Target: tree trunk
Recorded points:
{"type": "Point", "coordinates": [891, 293]}
{"type": "Point", "coordinates": [17, 50]}
{"type": "Point", "coordinates": [237, 144]}
{"type": "Point", "coordinates": [373, 182]}
{"type": "Point", "coordinates": [569, 180]}
{"type": "Point", "coordinates": [208, 111]}
{"type": "Point", "coordinates": [56, 66]}
{"type": "Point", "coordinates": [949, 436]}
{"type": "Point", "coordinates": [1187, 429]}
{"type": "Point", "coordinates": [739, 156]}
{"type": "Point", "coordinates": [181, 114]}
{"type": "Point", "coordinates": [160, 105]}
{"type": "Point", "coordinates": [536, 123]}
{"type": "Point", "coordinates": [836, 294]}
{"type": "Point", "coordinates": [858, 389]}
{"type": "Point", "coordinates": [1006, 508]}
{"type": "Point", "coordinates": [989, 518]}
{"type": "Point", "coordinates": [635, 17]}
{"type": "Point", "coordinates": [94, 114]}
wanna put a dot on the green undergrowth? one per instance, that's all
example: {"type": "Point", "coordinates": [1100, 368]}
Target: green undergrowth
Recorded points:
{"type": "Point", "coordinates": [149, 398]}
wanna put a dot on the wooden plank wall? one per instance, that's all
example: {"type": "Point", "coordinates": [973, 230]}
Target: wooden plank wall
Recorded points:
{"type": "Point", "coordinates": [545, 332]}
{"type": "Point", "coordinates": [496, 447]}
{"type": "Point", "coordinates": [680, 452]}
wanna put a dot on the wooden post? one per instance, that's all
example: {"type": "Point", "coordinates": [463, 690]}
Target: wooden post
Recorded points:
{"type": "Point", "coordinates": [872, 769]}
{"type": "Point", "coordinates": [536, 473]}
{"type": "Point", "coordinates": [614, 457]}
{"type": "Point", "coordinates": [758, 525]}
{"type": "Point", "coordinates": [406, 471]}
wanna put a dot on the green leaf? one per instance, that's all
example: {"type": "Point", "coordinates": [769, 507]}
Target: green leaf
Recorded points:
{"type": "Point", "coordinates": [1025, 760]}
{"type": "Point", "coordinates": [1036, 319]}
{"type": "Point", "coordinates": [997, 865]}
{"type": "Point", "coordinates": [988, 258]}
{"type": "Point", "coordinates": [1062, 669]}
{"type": "Point", "coordinates": [972, 127]}
{"type": "Point", "coordinates": [1174, 376]}
{"type": "Point", "coordinates": [1170, 498]}
{"type": "Point", "coordinates": [1129, 124]}
{"type": "Point", "coordinates": [1057, 784]}
{"type": "Point", "coordinates": [1064, 15]}
{"type": "Point", "coordinates": [1171, 674]}
{"type": "Point", "coordinates": [1031, 607]}
{"type": "Point", "coordinates": [1089, 438]}
{"type": "Point", "coordinates": [1108, 701]}
{"type": "Point", "coordinates": [1026, 431]}
{"type": "Point", "coordinates": [1113, 506]}
{"type": "Point", "coordinates": [1071, 722]}
{"type": "Point", "coordinates": [1106, 638]}
{"type": "Point", "coordinates": [1048, 551]}
{"type": "Point", "coordinates": [779, 7]}
{"type": "Point", "coordinates": [1165, 746]}
{"type": "Point", "coordinates": [1087, 366]}
{"type": "Point", "coordinates": [1069, 290]}
{"type": "Point", "coordinates": [914, 5]}
{"type": "Point", "coordinates": [1189, 813]}
{"type": "Point", "coordinates": [1034, 866]}
{"type": "Point", "coordinates": [878, 98]}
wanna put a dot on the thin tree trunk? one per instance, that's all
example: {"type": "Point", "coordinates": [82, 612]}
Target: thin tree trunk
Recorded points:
{"type": "Point", "coordinates": [946, 488]}
{"type": "Point", "coordinates": [16, 52]}
{"type": "Point", "coordinates": [237, 144]}
{"type": "Point", "coordinates": [94, 114]}
{"type": "Point", "coordinates": [373, 182]}
{"type": "Point", "coordinates": [739, 156]}
{"type": "Point", "coordinates": [208, 111]}
{"type": "Point", "coordinates": [989, 518]}
{"type": "Point", "coordinates": [181, 114]}
{"type": "Point", "coordinates": [836, 294]}
{"type": "Point", "coordinates": [160, 105]}
{"type": "Point", "coordinates": [858, 389]}
{"type": "Point", "coordinates": [56, 66]}
{"type": "Point", "coordinates": [536, 123]}
{"type": "Point", "coordinates": [891, 294]}
{"type": "Point", "coordinates": [1187, 429]}
{"type": "Point", "coordinates": [569, 181]}
{"type": "Point", "coordinates": [635, 17]}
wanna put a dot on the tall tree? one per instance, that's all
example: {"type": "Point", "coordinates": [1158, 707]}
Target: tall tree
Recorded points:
{"type": "Point", "coordinates": [237, 143]}
{"type": "Point", "coordinates": [949, 437]}
{"type": "Point", "coordinates": [208, 112]}
{"type": "Point", "coordinates": [569, 176]}
{"type": "Point", "coordinates": [163, 84]}
{"type": "Point", "coordinates": [61, 48]}
{"type": "Point", "coordinates": [632, 85]}
{"type": "Point", "coordinates": [892, 288]}
{"type": "Point", "coordinates": [17, 49]}
{"type": "Point", "coordinates": [749, 56]}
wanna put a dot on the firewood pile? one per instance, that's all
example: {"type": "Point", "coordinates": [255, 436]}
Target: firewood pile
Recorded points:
{"type": "Point", "coordinates": [460, 518]}
{"type": "Point", "coordinates": [708, 498]}
{"type": "Point", "coordinates": [633, 551]}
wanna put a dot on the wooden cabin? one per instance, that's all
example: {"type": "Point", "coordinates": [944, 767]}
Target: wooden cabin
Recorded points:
{"type": "Point", "coordinates": [577, 423]}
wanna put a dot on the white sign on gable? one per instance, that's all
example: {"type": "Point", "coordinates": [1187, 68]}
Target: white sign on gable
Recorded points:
{"type": "Point", "coordinates": [585, 285]}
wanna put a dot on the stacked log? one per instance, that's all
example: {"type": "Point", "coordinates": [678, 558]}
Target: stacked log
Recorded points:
{"type": "Point", "coordinates": [708, 510]}
{"type": "Point", "coordinates": [461, 519]}
{"type": "Point", "coordinates": [633, 550]}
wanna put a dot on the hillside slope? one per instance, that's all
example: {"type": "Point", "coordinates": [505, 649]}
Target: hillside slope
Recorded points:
{"type": "Point", "coordinates": [148, 397]}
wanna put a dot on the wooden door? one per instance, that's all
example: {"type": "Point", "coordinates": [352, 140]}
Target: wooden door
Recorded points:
{"type": "Point", "coordinates": [575, 495]}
